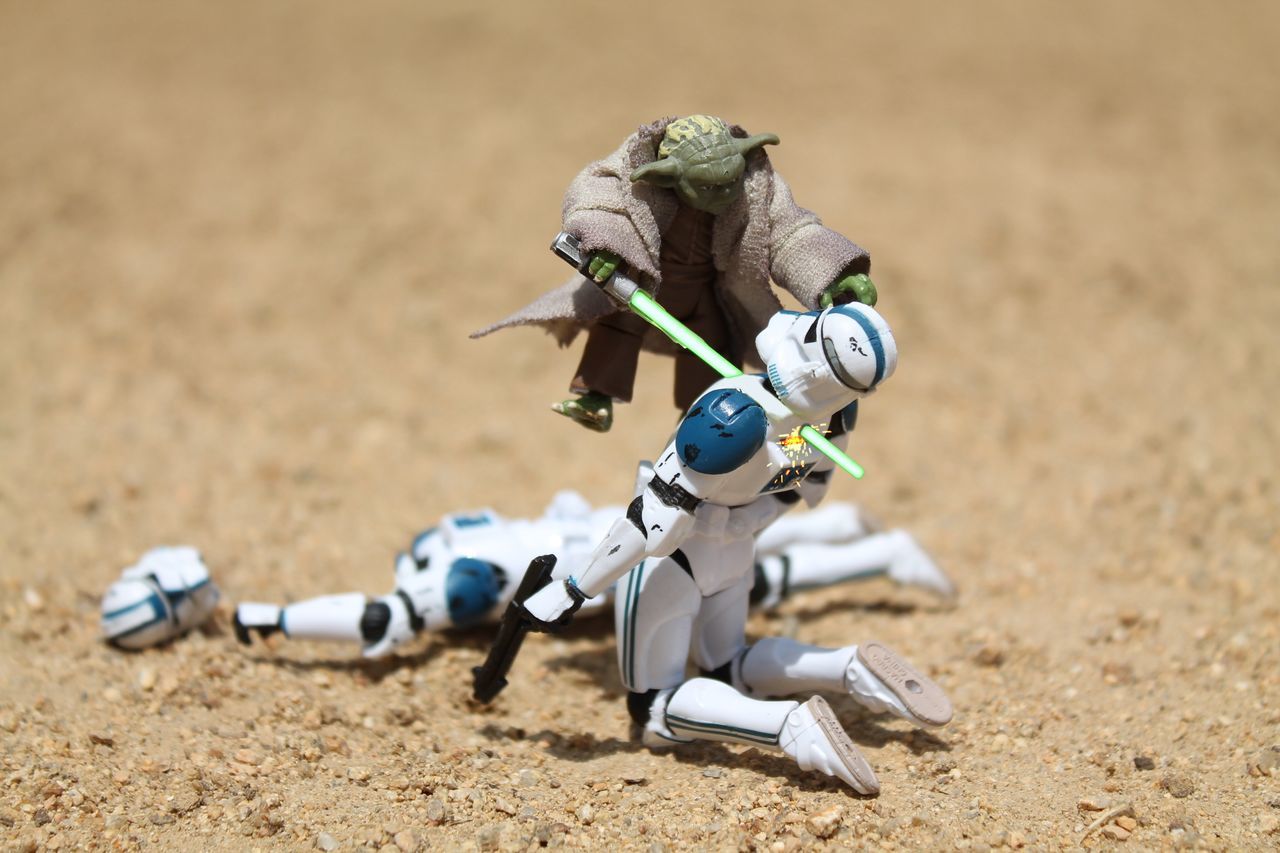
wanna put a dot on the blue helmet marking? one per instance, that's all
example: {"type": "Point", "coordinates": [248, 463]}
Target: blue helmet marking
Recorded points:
{"type": "Point", "coordinates": [478, 519]}
{"type": "Point", "coordinates": [471, 590]}
{"type": "Point", "coordinates": [872, 334]}
{"type": "Point", "coordinates": [722, 431]}
{"type": "Point", "coordinates": [421, 539]}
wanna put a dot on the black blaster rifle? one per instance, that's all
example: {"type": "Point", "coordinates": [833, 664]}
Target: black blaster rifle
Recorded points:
{"type": "Point", "coordinates": [491, 677]}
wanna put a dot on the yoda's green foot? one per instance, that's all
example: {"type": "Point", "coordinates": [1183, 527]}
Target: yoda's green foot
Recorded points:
{"type": "Point", "coordinates": [593, 411]}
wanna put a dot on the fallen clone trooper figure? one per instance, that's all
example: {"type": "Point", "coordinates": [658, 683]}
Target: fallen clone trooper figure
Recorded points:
{"type": "Point", "coordinates": [164, 595]}
{"type": "Point", "coordinates": [736, 463]}
{"type": "Point", "coordinates": [465, 570]}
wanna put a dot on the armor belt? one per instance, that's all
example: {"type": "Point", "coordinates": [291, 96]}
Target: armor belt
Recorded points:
{"type": "Point", "coordinates": [674, 495]}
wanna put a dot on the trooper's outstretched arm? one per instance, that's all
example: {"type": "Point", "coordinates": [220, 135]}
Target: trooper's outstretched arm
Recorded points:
{"type": "Point", "coordinates": [655, 525]}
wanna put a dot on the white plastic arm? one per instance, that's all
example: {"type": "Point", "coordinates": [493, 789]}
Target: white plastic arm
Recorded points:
{"type": "Point", "coordinates": [652, 528]}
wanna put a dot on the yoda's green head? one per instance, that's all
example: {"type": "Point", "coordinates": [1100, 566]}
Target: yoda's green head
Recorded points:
{"type": "Point", "coordinates": [702, 162]}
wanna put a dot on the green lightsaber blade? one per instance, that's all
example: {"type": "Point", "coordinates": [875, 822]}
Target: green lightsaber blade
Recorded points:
{"type": "Point", "coordinates": [648, 308]}
{"type": "Point", "coordinates": [823, 445]}
{"type": "Point", "coordinates": [621, 289]}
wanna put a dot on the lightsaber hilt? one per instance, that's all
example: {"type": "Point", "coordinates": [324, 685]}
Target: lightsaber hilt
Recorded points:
{"type": "Point", "coordinates": [617, 287]}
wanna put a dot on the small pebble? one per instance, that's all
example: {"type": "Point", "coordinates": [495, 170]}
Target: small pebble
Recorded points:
{"type": "Point", "coordinates": [825, 823]}
{"type": "Point", "coordinates": [1144, 762]}
{"type": "Point", "coordinates": [585, 814]}
{"type": "Point", "coordinates": [184, 801]}
{"type": "Point", "coordinates": [147, 678]}
{"type": "Point", "coordinates": [248, 756]}
{"type": "Point", "coordinates": [1115, 833]}
{"type": "Point", "coordinates": [1094, 804]}
{"type": "Point", "coordinates": [1178, 785]}
{"type": "Point", "coordinates": [407, 841]}
{"type": "Point", "coordinates": [326, 842]}
{"type": "Point", "coordinates": [1126, 822]}
{"type": "Point", "coordinates": [1117, 674]}
{"type": "Point", "coordinates": [989, 655]}
{"type": "Point", "coordinates": [436, 812]}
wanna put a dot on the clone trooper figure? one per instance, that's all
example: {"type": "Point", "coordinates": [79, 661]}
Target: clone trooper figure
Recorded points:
{"type": "Point", "coordinates": [736, 462]}
{"type": "Point", "coordinates": [167, 593]}
{"type": "Point", "coordinates": [464, 570]}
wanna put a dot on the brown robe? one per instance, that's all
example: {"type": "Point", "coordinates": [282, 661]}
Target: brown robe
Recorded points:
{"type": "Point", "coordinates": [764, 234]}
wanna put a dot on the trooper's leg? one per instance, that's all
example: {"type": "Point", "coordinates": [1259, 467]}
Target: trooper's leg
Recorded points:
{"type": "Point", "coordinates": [706, 709]}
{"type": "Point", "coordinates": [378, 625]}
{"type": "Point", "coordinates": [832, 522]}
{"type": "Point", "coordinates": [719, 634]}
{"type": "Point", "coordinates": [654, 611]}
{"type": "Point", "coordinates": [801, 566]}
{"type": "Point", "coordinates": [872, 673]}
{"type": "Point", "coordinates": [327, 617]}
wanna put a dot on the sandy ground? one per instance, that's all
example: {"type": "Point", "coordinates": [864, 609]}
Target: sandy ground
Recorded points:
{"type": "Point", "coordinates": [241, 245]}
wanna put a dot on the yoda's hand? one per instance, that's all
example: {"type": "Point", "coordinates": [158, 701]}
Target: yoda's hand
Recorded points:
{"type": "Point", "coordinates": [850, 288]}
{"type": "Point", "coordinates": [603, 264]}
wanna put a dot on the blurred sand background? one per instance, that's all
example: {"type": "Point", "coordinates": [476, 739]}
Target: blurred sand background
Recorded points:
{"type": "Point", "coordinates": [241, 245]}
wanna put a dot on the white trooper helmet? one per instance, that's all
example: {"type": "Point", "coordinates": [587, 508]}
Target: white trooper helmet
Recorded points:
{"type": "Point", "coordinates": [821, 361]}
{"type": "Point", "coordinates": [167, 593]}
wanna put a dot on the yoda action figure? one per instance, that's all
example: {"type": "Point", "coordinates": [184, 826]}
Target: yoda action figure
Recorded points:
{"type": "Point", "coordinates": [693, 207]}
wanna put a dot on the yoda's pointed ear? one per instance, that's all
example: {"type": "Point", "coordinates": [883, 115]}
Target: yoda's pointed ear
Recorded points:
{"type": "Point", "coordinates": [662, 173]}
{"type": "Point", "coordinates": [753, 142]}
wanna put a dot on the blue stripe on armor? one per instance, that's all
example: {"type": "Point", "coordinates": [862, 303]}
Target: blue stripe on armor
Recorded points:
{"type": "Point", "coordinates": [764, 738]}
{"type": "Point", "coordinates": [775, 379]}
{"type": "Point", "coordinates": [874, 337]}
{"type": "Point", "coordinates": [157, 606]}
{"type": "Point", "coordinates": [629, 624]}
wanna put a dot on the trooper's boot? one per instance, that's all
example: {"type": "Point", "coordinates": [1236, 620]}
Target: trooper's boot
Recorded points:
{"type": "Point", "coordinates": [911, 565]}
{"type": "Point", "coordinates": [815, 739]}
{"type": "Point", "coordinates": [594, 411]}
{"type": "Point", "coordinates": [254, 618]}
{"type": "Point", "coordinates": [872, 673]}
{"type": "Point", "coordinates": [706, 709]}
{"type": "Point", "coordinates": [833, 523]}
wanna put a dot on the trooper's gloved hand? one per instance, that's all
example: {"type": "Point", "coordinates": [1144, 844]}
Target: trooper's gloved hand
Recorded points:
{"type": "Point", "coordinates": [849, 288]}
{"type": "Point", "coordinates": [603, 264]}
{"type": "Point", "coordinates": [551, 608]}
